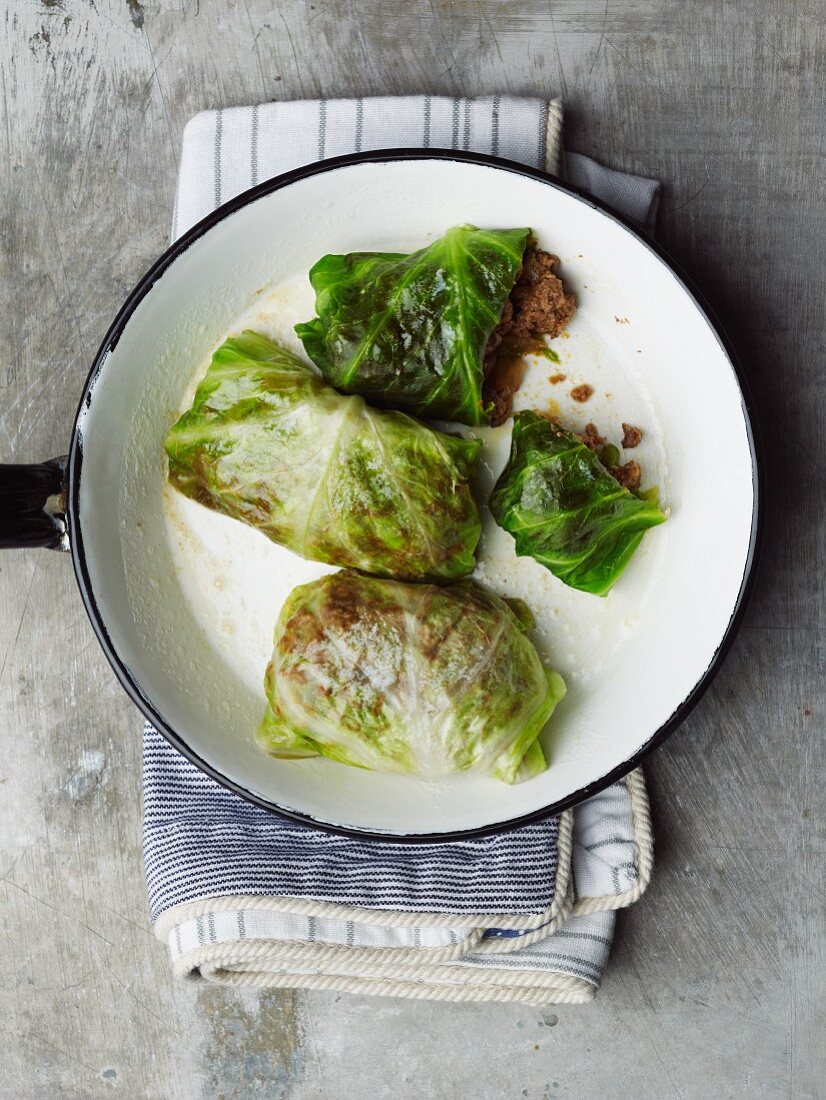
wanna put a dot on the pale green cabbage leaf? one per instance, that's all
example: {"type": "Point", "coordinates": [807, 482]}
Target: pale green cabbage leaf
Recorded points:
{"type": "Point", "coordinates": [267, 442]}
{"type": "Point", "coordinates": [418, 679]}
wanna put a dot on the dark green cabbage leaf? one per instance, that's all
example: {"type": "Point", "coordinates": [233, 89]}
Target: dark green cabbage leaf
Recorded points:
{"type": "Point", "coordinates": [565, 510]}
{"type": "Point", "coordinates": [410, 331]}
{"type": "Point", "coordinates": [267, 442]}
{"type": "Point", "coordinates": [420, 679]}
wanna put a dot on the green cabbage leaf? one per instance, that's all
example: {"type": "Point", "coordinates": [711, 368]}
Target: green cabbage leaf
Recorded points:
{"type": "Point", "coordinates": [410, 331]}
{"type": "Point", "coordinates": [268, 443]}
{"type": "Point", "coordinates": [419, 679]}
{"type": "Point", "coordinates": [565, 509]}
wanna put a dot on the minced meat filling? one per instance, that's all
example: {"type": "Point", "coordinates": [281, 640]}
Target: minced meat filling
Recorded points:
{"type": "Point", "coordinates": [538, 306]}
{"type": "Point", "coordinates": [540, 302]}
{"type": "Point", "coordinates": [498, 395]}
{"type": "Point", "coordinates": [498, 334]}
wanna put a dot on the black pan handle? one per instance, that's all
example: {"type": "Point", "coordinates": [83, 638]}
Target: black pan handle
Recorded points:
{"type": "Point", "coordinates": [33, 505]}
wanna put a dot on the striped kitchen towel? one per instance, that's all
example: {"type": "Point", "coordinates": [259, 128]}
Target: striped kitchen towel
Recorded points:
{"type": "Point", "coordinates": [245, 898]}
{"type": "Point", "coordinates": [242, 897]}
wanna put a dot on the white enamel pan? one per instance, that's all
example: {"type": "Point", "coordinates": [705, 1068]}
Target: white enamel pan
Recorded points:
{"type": "Point", "coordinates": [184, 601]}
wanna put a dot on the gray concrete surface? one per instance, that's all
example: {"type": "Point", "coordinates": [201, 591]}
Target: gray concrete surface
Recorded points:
{"type": "Point", "coordinates": [716, 985]}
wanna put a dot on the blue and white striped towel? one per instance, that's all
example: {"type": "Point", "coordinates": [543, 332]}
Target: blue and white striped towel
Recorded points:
{"type": "Point", "coordinates": [245, 898]}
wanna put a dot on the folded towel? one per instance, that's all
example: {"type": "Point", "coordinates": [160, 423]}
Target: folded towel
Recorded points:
{"type": "Point", "coordinates": [245, 898]}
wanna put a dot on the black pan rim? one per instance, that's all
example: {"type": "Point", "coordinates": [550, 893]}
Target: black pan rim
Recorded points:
{"type": "Point", "coordinates": [130, 685]}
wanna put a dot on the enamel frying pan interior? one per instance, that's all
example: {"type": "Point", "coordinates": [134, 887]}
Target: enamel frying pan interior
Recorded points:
{"type": "Point", "coordinates": [184, 600]}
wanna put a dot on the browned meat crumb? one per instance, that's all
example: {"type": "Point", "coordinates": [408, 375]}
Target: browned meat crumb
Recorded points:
{"type": "Point", "coordinates": [629, 475]}
{"type": "Point", "coordinates": [555, 378]}
{"type": "Point", "coordinates": [538, 304]}
{"type": "Point", "coordinates": [631, 436]}
{"type": "Point", "coordinates": [582, 393]}
{"type": "Point", "coordinates": [591, 437]}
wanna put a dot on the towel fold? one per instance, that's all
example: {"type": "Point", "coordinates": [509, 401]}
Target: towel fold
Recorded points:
{"type": "Point", "coordinates": [243, 897]}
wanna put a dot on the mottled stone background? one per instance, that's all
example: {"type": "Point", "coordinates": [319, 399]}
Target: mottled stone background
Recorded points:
{"type": "Point", "coordinates": [716, 986]}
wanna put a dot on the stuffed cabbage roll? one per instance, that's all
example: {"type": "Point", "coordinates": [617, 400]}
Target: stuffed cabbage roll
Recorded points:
{"type": "Point", "coordinates": [565, 509]}
{"type": "Point", "coordinates": [439, 332]}
{"type": "Point", "coordinates": [410, 678]}
{"type": "Point", "coordinates": [267, 442]}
